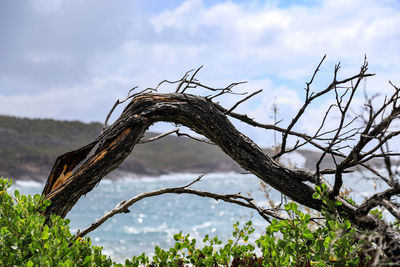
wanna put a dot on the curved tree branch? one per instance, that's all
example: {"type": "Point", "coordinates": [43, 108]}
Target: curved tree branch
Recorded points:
{"type": "Point", "coordinates": [202, 116]}
{"type": "Point", "coordinates": [64, 187]}
{"type": "Point", "coordinates": [68, 180]}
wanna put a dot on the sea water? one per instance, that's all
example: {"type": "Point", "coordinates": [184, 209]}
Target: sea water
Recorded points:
{"type": "Point", "coordinates": [153, 221]}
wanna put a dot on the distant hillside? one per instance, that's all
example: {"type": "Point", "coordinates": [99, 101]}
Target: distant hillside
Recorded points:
{"type": "Point", "coordinates": [29, 147]}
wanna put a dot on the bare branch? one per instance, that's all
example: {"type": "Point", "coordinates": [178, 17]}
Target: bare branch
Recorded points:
{"type": "Point", "coordinates": [380, 199]}
{"type": "Point", "coordinates": [158, 136]}
{"type": "Point", "coordinates": [310, 97]}
{"type": "Point", "coordinates": [252, 122]}
{"type": "Point", "coordinates": [178, 133]}
{"type": "Point", "coordinates": [241, 101]}
{"type": "Point", "coordinates": [115, 105]}
{"type": "Point", "coordinates": [173, 82]}
{"type": "Point", "coordinates": [312, 78]}
{"type": "Point", "coordinates": [194, 181]}
{"type": "Point", "coordinates": [191, 79]}
{"type": "Point", "coordinates": [223, 91]}
{"type": "Point", "coordinates": [118, 102]}
{"type": "Point", "coordinates": [123, 206]}
{"type": "Point", "coordinates": [375, 172]}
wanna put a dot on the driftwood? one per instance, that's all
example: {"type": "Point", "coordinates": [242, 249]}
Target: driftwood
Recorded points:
{"type": "Point", "coordinates": [70, 178]}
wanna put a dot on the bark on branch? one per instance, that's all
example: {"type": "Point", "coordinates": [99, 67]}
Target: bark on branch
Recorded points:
{"type": "Point", "coordinates": [70, 178]}
{"type": "Point", "coordinates": [65, 186]}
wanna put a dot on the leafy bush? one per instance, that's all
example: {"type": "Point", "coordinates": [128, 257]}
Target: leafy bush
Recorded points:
{"type": "Point", "coordinates": [213, 252]}
{"type": "Point", "coordinates": [26, 240]}
{"type": "Point", "coordinates": [298, 241]}
{"type": "Point", "coordinates": [301, 244]}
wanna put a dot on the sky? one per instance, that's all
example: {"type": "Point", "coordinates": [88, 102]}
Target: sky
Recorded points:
{"type": "Point", "coordinates": [72, 59]}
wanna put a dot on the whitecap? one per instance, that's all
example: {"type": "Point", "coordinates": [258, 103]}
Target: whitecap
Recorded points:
{"type": "Point", "coordinates": [201, 226]}
{"type": "Point", "coordinates": [147, 229]}
{"type": "Point", "coordinates": [178, 177]}
{"type": "Point", "coordinates": [169, 177]}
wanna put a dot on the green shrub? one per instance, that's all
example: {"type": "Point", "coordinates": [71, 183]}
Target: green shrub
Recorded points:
{"type": "Point", "coordinates": [302, 244]}
{"type": "Point", "coordinates": [25, 240]}
{"type": "Point", "coordinates": [213, 253]}
{"type": "Point", "coordinates": [297, 241]}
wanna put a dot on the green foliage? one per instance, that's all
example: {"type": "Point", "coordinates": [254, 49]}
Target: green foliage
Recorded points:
{"type": "Point", "coordinates": [236, 251]}
{"type": "Point", "coordinates": [26, 240]}
{"type": "Point", "coordinates": [297, 241]}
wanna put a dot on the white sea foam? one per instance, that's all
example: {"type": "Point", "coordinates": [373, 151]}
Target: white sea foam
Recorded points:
{"type": "Point", "coordinates": [201, 226]}
{"type": "Point", "coordinates": [169, 177]}
{"type": "Point", "coordinates": [179, 177]}
{"type": "Point", "coordinates": [162, 228]}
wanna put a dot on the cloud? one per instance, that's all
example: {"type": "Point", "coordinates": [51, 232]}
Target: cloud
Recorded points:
{"type": "Point", "coordinates": [58, 50]}
{"type": "Point", "coordinates": [87, 102]}
{"type": "Point", "coordinates": [48, 6]}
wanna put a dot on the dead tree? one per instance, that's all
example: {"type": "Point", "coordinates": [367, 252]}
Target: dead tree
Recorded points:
{"type": "Point", "coordinates": [350, 145]}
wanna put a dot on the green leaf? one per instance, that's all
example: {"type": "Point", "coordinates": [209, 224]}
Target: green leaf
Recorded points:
{"type": "Point", "coordinates": [307, 234]}
{"type": "Point", "coordinates": [347, 224]}
{"type": "Point", "coordinates": [45, 235]}
{"type": "Point", "coordinates": [324, 188]}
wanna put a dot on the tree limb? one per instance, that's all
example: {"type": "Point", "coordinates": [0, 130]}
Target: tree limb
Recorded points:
{"type": "Point", "coordinates": [123, 206]}
{"type": "Point", "coordinates": [69, 180]}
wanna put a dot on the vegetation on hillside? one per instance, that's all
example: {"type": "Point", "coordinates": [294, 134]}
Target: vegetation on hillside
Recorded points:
{"type": "Point", "coordinates": [29, 147]}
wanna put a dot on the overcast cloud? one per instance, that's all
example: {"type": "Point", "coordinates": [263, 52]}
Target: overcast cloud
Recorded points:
{"type": "Point", "coordinates": [71, 59]}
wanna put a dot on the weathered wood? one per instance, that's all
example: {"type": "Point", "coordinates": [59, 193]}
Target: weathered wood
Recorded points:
{"type": "Point", "coordinates": [197, 113]}
{"type": "Point", "coordinates": [65, 186]}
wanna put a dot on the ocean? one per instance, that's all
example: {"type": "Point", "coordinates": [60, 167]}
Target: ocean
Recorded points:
{"type": "Point", "coordinates": [153, 221]}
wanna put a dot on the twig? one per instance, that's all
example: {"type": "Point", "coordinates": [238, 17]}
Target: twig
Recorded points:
{"type": "Point", "coordinates": [115, 105]}
{"type": "Point", "coordinates": [311, 96]}
{"type": "Point", "coordinates": [178, 133]}
{"type": "Point", "coordinates": [381, 199]}
{"type": "Point", "coordinates": [241, 101]}
{"type": "Point", "coordinates": [158, 136]}
{"type": "Point", "coordinates": [173, 82]}
{"type": "Point", "coordinates": [191, 79]}
{"type": "Point", "coordinates": [244, 118]}
{"type": "Point", "coordinates": [123, 206]}
{"type": "Point", "coordinates": [118, 102]}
